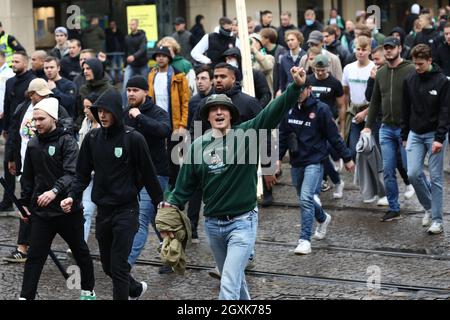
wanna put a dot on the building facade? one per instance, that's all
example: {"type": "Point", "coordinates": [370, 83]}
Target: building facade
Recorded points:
{"type": "Point", "coordinates": [42, 16]}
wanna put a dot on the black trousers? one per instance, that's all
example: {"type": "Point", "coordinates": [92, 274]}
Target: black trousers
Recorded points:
{"type": "Point", "coordinates": [24, 233]}
{"type": "Point", "coordinates": [43, 231]}
{"type": "Point", "coordinates": [115, 230]}
{"type": "Point", "coordinates": [195, 203]}
{"type": "Point", "coordinates": [10, 181]}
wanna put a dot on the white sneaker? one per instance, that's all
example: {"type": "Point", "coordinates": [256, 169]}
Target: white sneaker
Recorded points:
{"type": "Point", "coordinates": [436, 228]}
{"type": "Point", "coordinates": [339, 190]}
{"type": "Point", "coordinates": [371, 200]}
{"type": "Point", "coordinates": [144, 288]}
{"type": "Point", "coordinates": [317, 199]}
{"type": "Point", "coordinates": [409, 193]}
{"type": "Point", "coordinates": [426, 220]}
{"type": "Point", "coordinates": [304, 247]}
{"type": "Point", "coordinates": [383, 202]}
{"type": "Point", "coordinates": [339, 165]}
{"type": "Point", "coordinates": [321, 230]}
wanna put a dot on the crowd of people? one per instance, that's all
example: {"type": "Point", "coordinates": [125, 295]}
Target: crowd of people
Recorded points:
{"type": "Point", "coordinates": [341, 94]}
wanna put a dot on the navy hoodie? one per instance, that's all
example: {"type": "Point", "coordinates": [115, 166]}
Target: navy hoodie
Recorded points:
{"type": "Point", "coordinates": [313, 126]}
{"type": "Point", "coordinates": [121, 168]}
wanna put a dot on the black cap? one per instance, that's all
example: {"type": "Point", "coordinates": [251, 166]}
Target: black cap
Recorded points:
{"type": "Point", "coordinates": [162, 50]}
{"type": "Point", "coordinates": [391, 41]}
{"type": "Point", "coordinates": [220, 100]}
{"type": "Point", "coordinates": [138, 82]}
{"type": "Point", "coordinates": [180, 20]}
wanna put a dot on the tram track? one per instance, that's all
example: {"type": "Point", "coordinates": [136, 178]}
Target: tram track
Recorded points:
{"type": "Point", "coordinates": [284, 275]}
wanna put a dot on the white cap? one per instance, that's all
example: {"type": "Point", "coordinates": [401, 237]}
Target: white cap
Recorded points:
{"type": "Point", "coordinates": [49, 105]}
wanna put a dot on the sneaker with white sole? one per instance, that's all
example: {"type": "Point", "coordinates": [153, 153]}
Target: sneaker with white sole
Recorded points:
{"type": "Point", "coordinates": [144, 289]}
{"type": "Point", "coordinates": [317, 199]}
{"type": "Point", "coordinates": [325, 186]}
{"type": "Point", "coordinates": [426, 220]}
{"type": "Point", "coordinates": [371, 200]}
{"type": "Point", "coordinates": [339, 190]}
{"type": "Point", "coordinates": [383, 202]}
{"type": "Point", "coordinates": [436, 228]}
{"type": "Point", "coordinates": [321, 230]}
{"type": "Point", "coordinates": [304, 247]}
{"type": "Point", "coordinates": [88, 295]}
{"type": "Point", "coordinates": [409, 192]}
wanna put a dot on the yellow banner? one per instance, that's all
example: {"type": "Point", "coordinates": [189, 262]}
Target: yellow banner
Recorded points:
{"type": "Point", "coordinates": [146, 14]}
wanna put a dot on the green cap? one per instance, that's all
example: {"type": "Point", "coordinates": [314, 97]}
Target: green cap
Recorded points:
{"type": "Point", "coordinates": [222, 100]}
{"type": "Point", "coordinates": [321, 61]}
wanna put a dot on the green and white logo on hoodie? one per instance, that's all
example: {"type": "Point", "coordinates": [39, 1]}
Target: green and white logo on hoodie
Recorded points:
{"type": "Point", "coordinates": [118, 152]}
{"type": "Point", "coordinates": [51, 151]}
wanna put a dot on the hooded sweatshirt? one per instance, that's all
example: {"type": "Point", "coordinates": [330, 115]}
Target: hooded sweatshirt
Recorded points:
{"type": "Point", "coordinates": [426, 102]}
{"type": "Point", "coordinates": [405, 49]}
{"type": "Point", "coordinates": [120, 157]}
{"type": "Point", "coordinates": [387, 94]}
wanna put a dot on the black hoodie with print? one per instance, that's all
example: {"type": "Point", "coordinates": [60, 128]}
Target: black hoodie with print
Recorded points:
{"type": "Point", "coordinates": [120, 158]}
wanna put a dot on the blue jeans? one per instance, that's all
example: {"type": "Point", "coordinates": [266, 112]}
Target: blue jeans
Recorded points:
{"type": "Point", "coordinates": [305, 180]}
{"type": "Point", "coordinates": [129, 73]}
{"type": "Point", "coordinates": [353, 137]}
{"type": "Point", "coordinates": [88, 209]}
{"type": "Point", "coordinates": [116, 65]}
{"type": "Point", "coordinates": [147, 215]}
{"type": "Point", "coordinates": [429, 192]}
{"type": "Point", "coordinates": [391, 143]}
{"type": "Point", "coordinates": [232, 242]}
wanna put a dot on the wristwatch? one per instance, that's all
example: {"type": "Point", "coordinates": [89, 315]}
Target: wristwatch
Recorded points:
{"type": "Point", "coordinates": [55, 191]}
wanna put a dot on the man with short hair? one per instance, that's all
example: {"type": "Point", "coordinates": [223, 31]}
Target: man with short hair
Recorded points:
{"type": "Point", "coordinates": [14, 95]}
{"type": "Point", "coordinates": [62, 45]}
{"type": "Point", "coordinates": [333, 44]}
{"type": "Point", "coordinates": [93, 37]}
{"type": "Point", "coordinates": [48, 172]}
{"type": "Point", "coordinates": [425, 124]}
{"type": "Point", "coordinates": [9, 45]}
{"type": "Point", "coordinates": [37, 63]}
{"type": "Point", "coordinates": [154, 124]}
{"type": "Point", "coordinates": [269, 42]}
{"type": "Point", "coordinates": [311, 24]}
{"type": "Point", "coordinates": [376, 34]}
{"type": "Point", "coordinates": [286, 24]}
{"type": "Point", "coordinates": [388, 84]}
{"type": "Point", "coordinates": [63, 89]}
{"type": "Point", "coordinates": [266, 21]}
{"type": "Point", "coordinates": [5, 73]}
{"type": "Point", "coordinates": [70, 64]}
{"type": "Point", "coordinates": [428, 34]}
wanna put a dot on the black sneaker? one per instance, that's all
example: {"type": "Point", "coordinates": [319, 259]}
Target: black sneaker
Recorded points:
{"type": "Point", "coordinates": [267, 200]}
{"type": "Point", "coordinates": [16, 257]}
{"type": "Point", "coordinates": [390, 216]}
{"type": "Point", "coordinates": [165, 269]}
{"type": "Point", "coordinates": [144, 287]}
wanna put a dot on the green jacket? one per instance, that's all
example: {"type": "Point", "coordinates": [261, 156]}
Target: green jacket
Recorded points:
{"type": "Point", "coordinates": [387, 94]}
{"type": "Point", "coordinates": [173, 250]}
{"type": "Point", "coordinates": [229, 188]}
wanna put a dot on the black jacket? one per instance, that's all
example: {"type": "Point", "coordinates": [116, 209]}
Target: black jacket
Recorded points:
{"type": "Point", "coordinates": [198, 31]}
{"type": "Point", "coordinates": [66, 93]}
{"type": "Point", "coordinates": [426, 103]}
{"type": "Point", "coordinates": [154, 124]}
{"type": "Point", "coordinates": [14, 141]}
{"type": "Point", "coordinates": [136, 45]}
{"type": "Point", "coordinates": [441, 56]}
{"type": "Point", "coordinates": [15, 95]}
{"type": "Point", "coordinates": [115, 41]}
{"type": "Point", "coordinates": [248, 107]}
{"type": "Point", "coordinates": [120, 158]}
{"type": "Point", "coordinates": [306, 31]}
{"type": "Point", "coordinates": [426, 36]}
{"type": "Point", "coordinates": [70, 67]}
{"type": "Point", "coordinates": [193, 107]}
{"type": "Point", "coordinates": [50, 162]}
{"type": "Point", "coordinates": [313, 127]}
{"type": "Point", "coordinates": [338, 49]}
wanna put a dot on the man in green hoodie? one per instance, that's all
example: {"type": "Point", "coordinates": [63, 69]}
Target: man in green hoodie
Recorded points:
{"type": "Point", "coordinates": [387, 96]}
{"type": "Point", "coordinates": [215, 163]}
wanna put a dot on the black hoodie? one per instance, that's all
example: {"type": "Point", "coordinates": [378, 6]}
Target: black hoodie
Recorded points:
{"type": "Point", "coordinates": [406, 50]}
{"type": "Point", "coordinates": [50, 162]}
{"type": "Point", "coordinates": [426, 36]}
{"type": "Point", "coordinates": [426, 103]}
{"type": "Point", "coordinates": [120, 158]}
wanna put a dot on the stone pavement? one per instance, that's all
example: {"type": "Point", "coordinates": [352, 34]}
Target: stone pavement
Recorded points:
{"type": "Point", "coordinates": [412, 264]}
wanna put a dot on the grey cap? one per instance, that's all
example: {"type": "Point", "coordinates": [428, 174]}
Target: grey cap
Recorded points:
{"type": "Point", "coordinates": [220, 100]}
{"type": "Point", "coordinates": [315, 37]}
{"type": "Point", "coordinates": [391, 41]}
{"type": "Point", "coordinates": [180, 20]}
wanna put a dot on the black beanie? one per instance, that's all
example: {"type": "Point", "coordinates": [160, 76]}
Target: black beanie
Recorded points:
{"type": "Point", "coordinates": [138, 82]}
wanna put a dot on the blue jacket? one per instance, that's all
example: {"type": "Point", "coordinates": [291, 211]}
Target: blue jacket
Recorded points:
{"type": "Point", "coordinates": [66, 93]}
{"type": "Point", "coordinates": [305, 132]}
{"type": "Point", "coordinates": [286, 64]}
